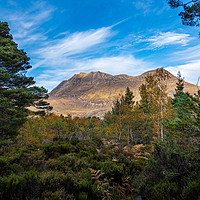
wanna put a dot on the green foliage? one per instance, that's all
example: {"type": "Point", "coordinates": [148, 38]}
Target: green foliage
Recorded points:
{"type": "Point", "coordinates": [90, 125]}
{"type": "Point", "coordinates": [41, 130]}
{"type": "Point", "coordinates": [155, 103]}
{"type": "Point", "coordinates": [57, 157]}
{"type": "Point", "coordinates": [190, 15]}
{"type": "Point", "coordinates": [125, 100]}
{"type": "Point", "coordinates": [20, 187]}
{"type": "Point", "coordinates": [58, 148]}
{"type": "Point", "coordinates": [16, 93]}
{"type": "Point", "coordinates": [182, 125]}
{"type": "Point", "coordinates": [192, 192]}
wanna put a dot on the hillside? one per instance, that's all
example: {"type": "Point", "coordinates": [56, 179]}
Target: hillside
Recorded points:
{"type": "Point", "coordinates": [92, 94]}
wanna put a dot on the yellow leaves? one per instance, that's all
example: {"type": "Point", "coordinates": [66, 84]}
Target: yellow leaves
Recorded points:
{"type": "Point", "coordinates": [37, 131]}
{"type": "Point", "coordinates": [140, 151]}
{"type": "Point", "coordinates": [32, 132]}
{"type": "Point", "coordinates": [126, 148]}
{"type": "Point", "coordinates": [98, 150]}
{"type": "Point", "coordinates": [109, 130]}
{"type": "Point", "coordinates": [96, 174]}
{"type": "Point", "coordinates": [196, 149]}
{"type": "Point", "coordinates": [154, 101]}
{"type": "Point", "coordinates": [51, 118]}
{"type": "Point", "coordinates": [103, 184]}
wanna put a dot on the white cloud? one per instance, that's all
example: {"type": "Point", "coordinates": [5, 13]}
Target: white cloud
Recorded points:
{"type": "Point", "coordinates": [48, 84]}
{"type": "Point", "coordinates": [44, 76]}
{"type": "Point", "coordinates": [76, 43]}
{"type": "Point", "coordinates": [151, 6]}
{"type": "Point", "coordinates": [191, 53]}
{"type": "Point", "coordinates": [58, 52]}
{"type": "Point", "coordinates": [157, 41]}
{"type": "Point", "coordinates": [168, 38]}
{"type": "Point", "coordinates": [123, 64]}
{"type": "Point", "coordinates": [145, 5]}
{"type": "Point", "coordinates": [12, 3]}
{"type": "Point", "coordinates": [190, 71]}
{"type": "Point", "coordinates": [26, 25]}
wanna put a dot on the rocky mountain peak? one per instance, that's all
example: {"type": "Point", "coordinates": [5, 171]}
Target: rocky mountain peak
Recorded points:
{"type": "Point", "coordinates": [92, 94]}
{"type": "Point", "coordinates": [92, 75]}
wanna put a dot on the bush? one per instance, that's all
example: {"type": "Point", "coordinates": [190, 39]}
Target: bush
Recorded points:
{"type": "Point", "coordinates": [193, 189]}
{"type": "Point", "coordinates": [57, 195]}
{"type": "Point", "coordinates": [112, 170]}
{"type": "Point", "coordinates": [20, 187]}
{"type": "Point", "coordinates": [58, 148]}
{"type": "Point", "coordinates": [3, 165]}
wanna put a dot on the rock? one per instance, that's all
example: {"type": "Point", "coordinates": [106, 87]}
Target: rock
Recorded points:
{"type": "Point", "coordinates": [137, 198]}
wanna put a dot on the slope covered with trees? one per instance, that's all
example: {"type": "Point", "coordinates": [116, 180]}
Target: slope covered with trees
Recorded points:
{"type": "Point", "coordinates": [92, 94]}
{"type": "Point", "coordinates": [147, 149]}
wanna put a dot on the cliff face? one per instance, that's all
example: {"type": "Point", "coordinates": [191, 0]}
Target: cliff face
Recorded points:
{"type": "Point", "coordinates": [92, 94]}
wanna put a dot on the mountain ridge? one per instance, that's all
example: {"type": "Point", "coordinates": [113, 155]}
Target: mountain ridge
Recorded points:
{"type": "Point", "coordinates": [92, 94]}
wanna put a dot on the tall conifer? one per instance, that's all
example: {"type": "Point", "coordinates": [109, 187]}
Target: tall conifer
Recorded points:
{"type": "Point", "coordinates": [16, 93]}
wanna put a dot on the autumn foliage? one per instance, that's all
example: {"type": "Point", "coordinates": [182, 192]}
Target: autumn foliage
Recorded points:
{"type": "Point", "coordinates": [147, 149]}
{"type": "Point", "coordinates": [140, 150]}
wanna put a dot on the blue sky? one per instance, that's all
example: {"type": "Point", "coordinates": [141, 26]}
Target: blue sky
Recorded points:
{"type": "Point", "coordinates": [113, 36]}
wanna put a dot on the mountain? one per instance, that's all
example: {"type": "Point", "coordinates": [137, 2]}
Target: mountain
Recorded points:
{"type": "Point", "coordinates": [92, 94]}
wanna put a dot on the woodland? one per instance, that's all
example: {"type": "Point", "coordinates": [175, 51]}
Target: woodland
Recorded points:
{"type": "Point", "coordinates": [141, 150]}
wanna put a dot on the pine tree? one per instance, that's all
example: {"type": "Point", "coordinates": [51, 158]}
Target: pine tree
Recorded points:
{"type": "Point", "coordinates": [184, 120]}
{"type": "Point", "coordinates": [183, 124]}
{"type": "Point", "coordinates": [125, 101]}
{"type": "Point", "coordinates": [129, 97]}
{"type": "Point", "coordinates": [16, 93]}
{"type": "Point", "coordinates": [116, 108]}
{"type": "Point", "coordinates": [191, 9]}
{"type": "Point", "coordinates": [121, 116]}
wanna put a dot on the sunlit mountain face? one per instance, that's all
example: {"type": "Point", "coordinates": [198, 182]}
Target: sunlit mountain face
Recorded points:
{"type": "Point", "coordinates": [114, 36]}
{"type": "Point", "coordinates": [93, 94]}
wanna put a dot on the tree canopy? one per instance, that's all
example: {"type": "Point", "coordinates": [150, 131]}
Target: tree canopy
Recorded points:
{"type": "Point", "coordinates": [191, 14]}
{"type": "Point", "coordinates": [17, 91]}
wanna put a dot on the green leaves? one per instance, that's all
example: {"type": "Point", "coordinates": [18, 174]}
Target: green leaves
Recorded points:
{"type": "Point", "coordinates": [185, 114]}
{"type": "Point", "coordinates": [190, 15]}
{"type": "Point", "coordinates": [15, 91]}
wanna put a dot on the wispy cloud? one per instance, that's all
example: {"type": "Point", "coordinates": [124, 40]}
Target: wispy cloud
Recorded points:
{"type": "Point", "coordinates": [59, 51]}
{"type": "Point", "coordinates": [148, 7]}
{"type": "Point", "coordinates": [190, 71]}
{"type": "Point", "coordinates": [191, 53]}
{"type": "Point", "coordinates": [122, 64]}
{"type": "Point", "coordinates": [160, 40]}
{"type": "Point", "coordinates": [168, 38]}
{"type": "Point", "coordinates": [144, 5]}
{"type": "Point", "coordinates": [26, 26]}
{"type": "Point", "coordinates": [12, 3]}
{"type": "Point", "coordinates": [49, 84]}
